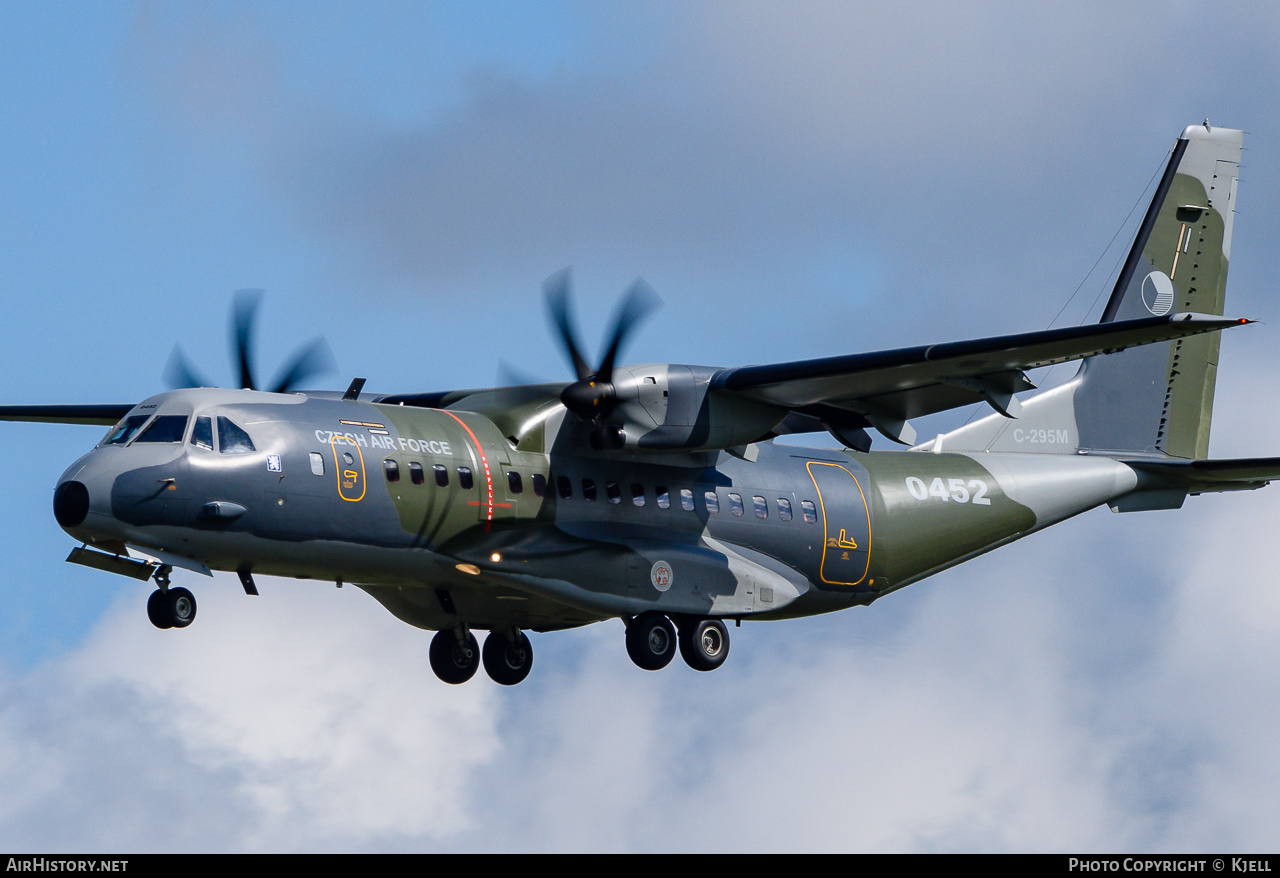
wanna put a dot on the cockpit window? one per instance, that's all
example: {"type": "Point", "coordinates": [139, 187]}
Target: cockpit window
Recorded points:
{"type": "Point", "coordinates": [125, 430]}
{"type": "Point", "coordinates": [233, 440]}
{"type": "Point", "coordinates": [165, 428]}
{"type": "Point", "coordinates": [202, 435]}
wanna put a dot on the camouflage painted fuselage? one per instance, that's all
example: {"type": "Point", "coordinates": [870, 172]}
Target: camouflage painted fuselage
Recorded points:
{"type": "Point", "coordinates": [549, 534]}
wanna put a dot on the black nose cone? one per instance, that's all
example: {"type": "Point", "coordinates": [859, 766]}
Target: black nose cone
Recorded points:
{"type": "Point", "coordinates": [70, 504]}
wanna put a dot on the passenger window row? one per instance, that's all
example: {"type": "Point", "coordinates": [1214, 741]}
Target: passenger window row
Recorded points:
{"type": "Point", "coordinates": [440, 472]}
{"type": "Point", "coordinates": [612, 491]}
{"type": "Point", "coordinates": [662, 498]}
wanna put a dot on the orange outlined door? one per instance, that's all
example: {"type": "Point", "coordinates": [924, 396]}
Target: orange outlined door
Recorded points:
{"type": "Point", "coordinates": [348, 463]}
{"type": "Point", "coordinates": [846, 521]}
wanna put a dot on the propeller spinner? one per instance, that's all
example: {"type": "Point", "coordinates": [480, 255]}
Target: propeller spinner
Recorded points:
{"type": "Point", "coordinates": [314, 358]}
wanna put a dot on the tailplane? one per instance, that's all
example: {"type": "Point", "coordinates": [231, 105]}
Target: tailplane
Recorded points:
{"type": "Point", "coordinates": [1156, 399]}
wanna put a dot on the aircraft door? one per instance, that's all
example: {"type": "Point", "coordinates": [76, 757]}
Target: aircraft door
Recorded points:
{"type": "Point", "coordinates": [846, 550]}
{"type": "Point", "coordinates": [348, 465]}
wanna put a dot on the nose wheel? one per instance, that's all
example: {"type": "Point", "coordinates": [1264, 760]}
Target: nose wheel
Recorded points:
{"type": "Point", "coordinates": [171, 608]}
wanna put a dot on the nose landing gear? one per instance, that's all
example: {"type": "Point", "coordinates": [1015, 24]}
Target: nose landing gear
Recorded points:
{"type": "Point", "coordinates": [170, 607]}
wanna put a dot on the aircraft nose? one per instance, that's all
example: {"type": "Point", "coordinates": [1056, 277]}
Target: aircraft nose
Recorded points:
{"type": "Point", "coordinates": [71, 503]}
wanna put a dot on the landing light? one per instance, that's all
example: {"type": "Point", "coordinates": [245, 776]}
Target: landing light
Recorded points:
{"type": "Point", "coordinates": [495, 557]}
{"type": "Point", "coordinates": [469, 568]}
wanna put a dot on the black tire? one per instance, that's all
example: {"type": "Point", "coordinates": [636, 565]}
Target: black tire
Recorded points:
{"type": "Point", "coordinates": [704, 644]}
{"type": "Point", "coordinates": [454, 662]}
{"type": "Point", "coordinates": [651, 641]}
{"type": "Point", "coordinates": [158, 610]}
{"type": "Point", "coordinates": [505, 662]}
{"type": "Point", "coordinates": [181, 605]}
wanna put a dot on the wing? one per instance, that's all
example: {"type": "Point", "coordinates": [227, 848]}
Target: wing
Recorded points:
{"type": "Point", "coordinates": [886, 388]}
{"type": "Point", "coordinates": [103, 415]}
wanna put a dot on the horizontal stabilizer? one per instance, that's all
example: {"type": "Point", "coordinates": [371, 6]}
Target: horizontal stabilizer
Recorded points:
{"type": "Point", "coordinates": [1206, 476]}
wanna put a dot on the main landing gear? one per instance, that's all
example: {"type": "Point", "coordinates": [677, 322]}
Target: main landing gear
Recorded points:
{"type": "Point", "coordinates": [170, 607]}
{"type": "Point", "coordinates": [652, 642]}
{"type": "Point", "coordinates": [507, 656]}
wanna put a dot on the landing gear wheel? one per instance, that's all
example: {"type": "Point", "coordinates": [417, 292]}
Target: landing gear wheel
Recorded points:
{"type": "Point", "coordinates": [454, 661]}
{"type": "Point", "coordinates": [158, 610]}
{"type": "Point", "coordinates": [651, 641]}
{"type": "Point", "coordinates": [171, 608]}
{"type": "Point", "coordinates": [506, 662]}
{"type": "Point", "coordinates": [704, 644]}
{"type": "Point", "coordinates": [182, 607]}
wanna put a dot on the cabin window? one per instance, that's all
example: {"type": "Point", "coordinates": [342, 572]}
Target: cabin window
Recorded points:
{"type": "Point", "coordinates": [317, 463]}
{"type": "Point", "coordinates": [762, 507]}
{"type": "Point", "coordinates": [735, 503]}
{"type": "Point", "coordinates": [637, 494]}
{"type": "Point", "coordinates": [784, 509]}
{"type": "Point", "coordinates": [661, 496]}
{"type": "Point", "coordinates": [166, 428]}
{"type": "Point", "coordinates": [539, 485]}
{"type": "Point", "coordinates": [514, 483]}
{"type": "Point", "coordinates": [686, 499]}
{"type": "Point", "coordinates": [233, 440]}
{"type": "Point", "coordinates": [415, 473]}
{"type": "Point", "coordinates": [810, 511]}
{"type": "Point", "coordinates": [614, 492]}
{"type": "Point", "coordinates": [713, 502]}
{"type": "Point", "coordinates": [442, 475]}
{"type": "Point", "coordinates": [392, 469]}
{"type": "Point", "coordinates": [125, 430]}
{"type": "Point", "coordinates": [588, 489]}
{"type": "Point", "coordinates": [202, 435]}
{"type": "Point", "coordinates": [464, 478]}
{"type": "Point", "coordinates": [565, 487]}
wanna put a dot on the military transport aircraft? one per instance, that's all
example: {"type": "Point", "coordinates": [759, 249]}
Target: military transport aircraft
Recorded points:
{"type": "Point", "coordinates": [654, 493]}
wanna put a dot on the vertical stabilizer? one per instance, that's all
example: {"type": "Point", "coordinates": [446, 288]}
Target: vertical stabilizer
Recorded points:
{"type": "Point", "coordinates": [1156, 399]}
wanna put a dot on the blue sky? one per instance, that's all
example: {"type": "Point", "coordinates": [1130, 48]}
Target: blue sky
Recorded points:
{"type": "Point", "coordinates": [400, 178]}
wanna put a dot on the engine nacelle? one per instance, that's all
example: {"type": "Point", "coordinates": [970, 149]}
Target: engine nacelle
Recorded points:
{"type": "Point", "coordinates": [672, 407]}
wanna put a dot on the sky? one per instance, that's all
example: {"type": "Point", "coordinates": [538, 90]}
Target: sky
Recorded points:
{"type": "Point", "coordinates": [794, 182]}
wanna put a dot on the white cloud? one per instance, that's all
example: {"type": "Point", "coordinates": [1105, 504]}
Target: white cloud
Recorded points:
{"type": "Point", "coordinates": [301, 719]}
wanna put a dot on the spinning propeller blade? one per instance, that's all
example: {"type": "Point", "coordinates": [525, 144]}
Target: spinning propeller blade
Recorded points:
{"type": "Point", "coordinates": [556, 289]}
{"type": "Point", "coordinates": [315, 358]}
{"type": "Point", "coordinates": [180, 373]}
{"type": "Point", "coordinates": [244, 315]}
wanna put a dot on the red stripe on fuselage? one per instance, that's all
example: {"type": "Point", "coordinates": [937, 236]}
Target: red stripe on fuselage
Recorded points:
{"type": "Point", "coordinates": [484, 461]}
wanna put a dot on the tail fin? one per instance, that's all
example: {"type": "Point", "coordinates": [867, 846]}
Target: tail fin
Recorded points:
{"type": "Point", "coordinates": [1156, 399]}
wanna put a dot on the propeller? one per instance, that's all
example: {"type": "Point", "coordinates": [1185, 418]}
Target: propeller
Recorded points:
{"type": "Point", "coordinates": [314, 358]}
{"type": "Point", "coordinates": [593, 396]}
